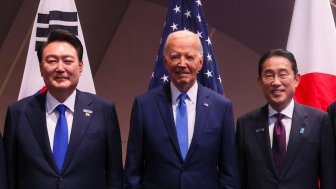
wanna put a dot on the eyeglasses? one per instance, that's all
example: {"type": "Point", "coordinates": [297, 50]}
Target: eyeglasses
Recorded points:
{"type": "Point", "coordinates": [282, 76]}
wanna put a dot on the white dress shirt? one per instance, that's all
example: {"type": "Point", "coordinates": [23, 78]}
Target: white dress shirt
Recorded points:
{"type": "Point", "coordinates": [52, 115]}
{"type": "Point", "coordinates": [191, 106]}
{"type": "Point", "coordinates": [286, 120]}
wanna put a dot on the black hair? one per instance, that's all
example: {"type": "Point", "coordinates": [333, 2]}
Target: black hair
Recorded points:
{"type": "Point", "coordinates": [277, 52]}
{"type": "Point", "coordinates": [62, 36]}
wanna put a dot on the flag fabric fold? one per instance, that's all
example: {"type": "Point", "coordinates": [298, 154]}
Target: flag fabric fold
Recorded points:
{"type": "Point", "coordinates": [188, 15]}
{"type": "Point", "coordinates": [52, 14]}
{"type": "Point", "coordinates": [312, 40]}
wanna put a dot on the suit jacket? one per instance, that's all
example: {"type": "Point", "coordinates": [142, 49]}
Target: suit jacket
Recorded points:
{"type": "Point", "coordinates": [154, 159]}
{"type": "Point", "coordinates": [93, 158]}
{"type": "Point", "coordinates": [308, 156]}
{"type": "Point", "coordinates": [3, 176]}
{"type": "Point", "coordinates": [332, 114]}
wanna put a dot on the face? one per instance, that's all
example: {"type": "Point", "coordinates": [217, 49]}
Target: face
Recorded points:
{"type": "Point", "coordinates": [60, 69]}
{"type": "Point", "coordinates": [278, 82]}
{"type": "Point", "coordinates": [183, 61]}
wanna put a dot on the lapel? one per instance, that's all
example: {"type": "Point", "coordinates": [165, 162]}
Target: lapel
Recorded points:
{"type": "Point", "coordinates": [296, 136]}
{"type": "Point", "coordinates": [36, 114]}
{"type": "Point", "coordinates": [166, 112]}
{"type": "Point", "coordinates": [261, 129]}
{"type": "Point", "coordinates": [80, 124]}
{"type": "Point", "coordinates": [203, 105]}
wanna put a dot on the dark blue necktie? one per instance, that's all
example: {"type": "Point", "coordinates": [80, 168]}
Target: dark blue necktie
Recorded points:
{"type": "Point", "coordinates": [279, 142]}
{"type": "Point", "coordinates": [61, 137]}
{"type": "Point", "coordinates": [182, 124]}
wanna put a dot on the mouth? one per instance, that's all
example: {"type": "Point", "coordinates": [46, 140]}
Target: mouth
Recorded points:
{"type": "Point", "coordinates": [60, 78]}
{"type": "Point", "coordinates": [277, 91]}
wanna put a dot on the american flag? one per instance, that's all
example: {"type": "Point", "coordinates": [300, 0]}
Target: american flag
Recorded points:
{"type": "Point", "coordinates": [188, 15]}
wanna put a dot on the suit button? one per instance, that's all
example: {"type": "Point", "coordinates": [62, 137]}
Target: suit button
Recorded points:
{"type": "Point", "coordinates": [279, 185]}
{"type": "Point", "coordinates": [60, 178]}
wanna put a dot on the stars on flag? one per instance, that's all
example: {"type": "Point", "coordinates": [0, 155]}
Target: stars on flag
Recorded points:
{"type": "Point", "coordinates": [188, 15]}
{"type": "Point", "coordinates": [177, 9]}
{"type": "Point", "coordinates": [164, 78]}
{"type": "Point", "coordinates": [174, 26]}
{"type": "Point", "coordinates": [208, 73]}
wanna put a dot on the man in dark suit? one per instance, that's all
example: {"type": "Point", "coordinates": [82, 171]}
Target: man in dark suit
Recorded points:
{"type": "Point", "coordinates": [289, 150]}
{"type": "Point", "coordinates": [62, 138]}
{"type": "Point", "coordinates": [3, 171]}
{"type": "Point", "coordinates": [157, 157]}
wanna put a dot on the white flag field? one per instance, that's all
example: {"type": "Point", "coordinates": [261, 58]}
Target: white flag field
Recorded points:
{"type": "Point", "coordinates": [312, 40]}
{"type": "Point", "coordinates": [53, 14]}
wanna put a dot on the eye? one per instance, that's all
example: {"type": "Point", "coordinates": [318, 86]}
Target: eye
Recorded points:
{"type": "Point", "coordinates": [68, 61]}
{"type": "Point", "coordinates": [283, 75]}
{"type": "Point", "coordinates": [190, 58]}
{"type": "Point", "coordinates": [51, 61]}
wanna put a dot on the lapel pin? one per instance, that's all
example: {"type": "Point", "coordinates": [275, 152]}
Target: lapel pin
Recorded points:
{"type": "Point", "coordinates": [260, 130]}
{"type": "Point", "coordinates": [87, 112]}
{"type": "Point", "coordinates": [301, 130]}
{"type": "Point", "coordinates": [206, 104]}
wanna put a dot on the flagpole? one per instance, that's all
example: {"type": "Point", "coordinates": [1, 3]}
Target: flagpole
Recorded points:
{"type": "Point", "coordinates": [16, 59]}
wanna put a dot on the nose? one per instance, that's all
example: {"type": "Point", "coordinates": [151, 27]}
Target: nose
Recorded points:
{"type": "Point", "coordinates": [182, 62]}
{"type": "Point", "coordinates": [60, 66]}
{"type": "Point", "coordinates": [276, 80]}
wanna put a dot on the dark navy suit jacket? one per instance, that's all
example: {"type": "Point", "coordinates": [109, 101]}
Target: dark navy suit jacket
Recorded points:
{"type": "Point", "coordinates": [309, 155]}
{"type": "Point", "coordinates": [93, 159]}
{"type": "Point", "coordinates": [3, 176]}
{"type": "Point", "coordinates": [154, 159]}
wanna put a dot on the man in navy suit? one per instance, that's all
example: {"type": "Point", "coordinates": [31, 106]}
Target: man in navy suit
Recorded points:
{"type": "Point", "coordinates": [89, 132]}
{"type": "Point", "coordinates": [284, 144]}
{"type": "Point", "coordinates": [155, 159]}
{"type": "Point", "coordinates": [3, 176]}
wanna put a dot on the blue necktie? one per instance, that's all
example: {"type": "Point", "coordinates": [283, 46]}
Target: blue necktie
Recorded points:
{"type": "Point", "coordinates": [182, 124]}
{"type": "Point", "coordinates": [61, 137]}
{"type": "Point", "coordinates": [279, 142]}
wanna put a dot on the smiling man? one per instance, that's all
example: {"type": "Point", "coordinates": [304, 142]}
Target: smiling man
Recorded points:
{"type": "Point", "coordinates": [181, 134]}
{"type": "Point", "coordinates": [62, 138]}
{"type": "Point", "coordinates": [284, 144]}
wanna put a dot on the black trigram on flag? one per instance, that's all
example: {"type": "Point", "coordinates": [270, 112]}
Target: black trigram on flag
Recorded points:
{"type": "Point", "coordinates": [59, 20]}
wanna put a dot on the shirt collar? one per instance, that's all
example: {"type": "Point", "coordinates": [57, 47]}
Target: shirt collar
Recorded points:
{"type": "Point", "coordinates": [52, 102]}
{"type": "Point", "coordinates": [192, 92]}
{"type": "Point", "coordinates": [288, 111]}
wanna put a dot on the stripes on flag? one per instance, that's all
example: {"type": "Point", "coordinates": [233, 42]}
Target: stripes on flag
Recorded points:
{"type": "Point", "coordinates": [188, 15]}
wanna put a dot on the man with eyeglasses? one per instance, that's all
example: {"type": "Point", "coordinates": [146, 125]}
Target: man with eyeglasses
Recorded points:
{"type": "Point", "coordinates": [284, 144]}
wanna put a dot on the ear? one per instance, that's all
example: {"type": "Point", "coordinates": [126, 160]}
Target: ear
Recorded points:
{"type": "Point", "coordinates": [297, 79]}
{"type": "Point", "coordinates": [41, 69]}
{"type": "Point", "coordinates": [259, 80]}
{"type": "Point", "coordinates": [81, 66]}
{"type": "Point", "coordinates": [200, 63]}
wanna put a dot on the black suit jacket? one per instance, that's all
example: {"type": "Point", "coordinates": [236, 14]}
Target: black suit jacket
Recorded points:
{"type": "Point", "coordinates": [3, 171]}
{"type": "Point", "coordinates": [308, 157]}
{"type": "Point", "coordinates": [93, 158]}
{"type": "Point", "coordinates": [154, 159]}
{"type": "Point", "coordinates": [332, 114]}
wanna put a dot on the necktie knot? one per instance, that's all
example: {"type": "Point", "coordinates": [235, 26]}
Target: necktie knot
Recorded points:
{"type": "Point", "coordinates": [183, 96]}
{"type": "Point", "coordinates": [278, 116]}
{"type": "Point", "coordinates": [61, 109]}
